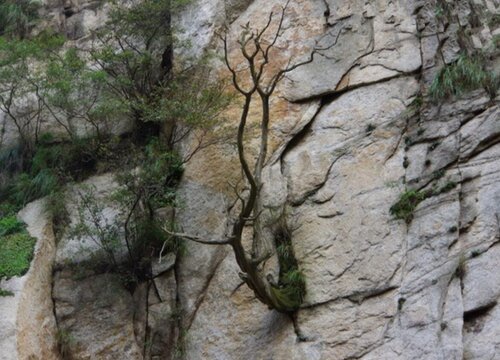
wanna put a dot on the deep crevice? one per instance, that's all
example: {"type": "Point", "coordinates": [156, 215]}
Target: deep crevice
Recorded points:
{"type": "Point", "coordinates": [472, 315]}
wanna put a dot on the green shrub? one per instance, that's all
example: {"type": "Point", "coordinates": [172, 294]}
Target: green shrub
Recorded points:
{"type": "Point", "coordinates": [10, 225]}
{"type": "Point", "coordinates": [16, 252]}
{"type": "Point", "coordinates": [403, 209]}
{"type": "Point", "coordinates": [150, 237]}
{"type": "Point", "coordinates": [465, 74]}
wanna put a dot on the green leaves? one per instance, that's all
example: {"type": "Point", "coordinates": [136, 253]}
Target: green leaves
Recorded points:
{"type": "Point", "coordinates": [404, 208]}
{"type": "Point", "coordinates": [10, 225]}
{"type": "Point", "coordinates": [16, 251]}
{"type": "Point", "coordinates": [467, 73]}
{"type": "Point", "coordinates": [17, 16]}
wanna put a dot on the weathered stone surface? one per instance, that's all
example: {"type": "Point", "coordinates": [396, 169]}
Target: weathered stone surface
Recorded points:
{"type": "Point", "coordinates": [365, 44]}
{"type": "Point", "coordinates": [377, 288]}
{"type": "Point", "coordinates": [95, 314]}
{"type": "Point", "coordinates": [36, 323]}
{"type": "Point", "coordinates": [8, 325]}
{"type": "Point", "coordinates": [72, 249]}
{"type": "Point", "coordinates": [27, 323]}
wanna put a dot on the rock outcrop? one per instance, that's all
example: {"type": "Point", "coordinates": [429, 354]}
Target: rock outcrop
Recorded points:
{"type": "Point", "coordinates": [351, 132]}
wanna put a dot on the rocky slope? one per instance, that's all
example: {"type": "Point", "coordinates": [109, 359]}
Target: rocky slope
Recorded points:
{"type": "Point", "coordinates": [350, 133]}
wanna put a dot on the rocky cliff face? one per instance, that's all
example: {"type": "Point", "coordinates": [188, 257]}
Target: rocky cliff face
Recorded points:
{"type": "Point", "coordinates": [351, 132]}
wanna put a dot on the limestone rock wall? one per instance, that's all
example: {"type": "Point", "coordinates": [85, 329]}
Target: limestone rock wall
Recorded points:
{"type": "Point", "coordinates": [28, 325]}
{"type": "Point", "coordinates": [354, 141]}
{"type": "Point", "coordinates": [350, 133]}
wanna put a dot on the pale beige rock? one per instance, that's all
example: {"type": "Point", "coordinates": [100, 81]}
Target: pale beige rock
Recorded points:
{"type": "Point", "coordinates": [96, 314]}
{"type": "Point", "coordinates": [377, 287]}
{"type": "Point", "coordinates": [36, 324]}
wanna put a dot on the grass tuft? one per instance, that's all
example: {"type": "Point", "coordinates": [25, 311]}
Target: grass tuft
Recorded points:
{"type": "Point", "coordinates": [16, 252]}
{"type": "Point", "coordinates": [467, 73]}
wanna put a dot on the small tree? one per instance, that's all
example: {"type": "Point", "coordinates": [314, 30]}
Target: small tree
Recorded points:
{"type": "Point", "coordinates": [135, 49]}
{"type": "Point", "coordinates": [286, 294]}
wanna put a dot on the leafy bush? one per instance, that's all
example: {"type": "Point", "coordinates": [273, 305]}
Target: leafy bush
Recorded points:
{"type": "Point", "coordinates": [16, 252]}
{"type": "Point", "coordinates": [93, 225]}
{"type": "Point", "coordinates": [465, 74]}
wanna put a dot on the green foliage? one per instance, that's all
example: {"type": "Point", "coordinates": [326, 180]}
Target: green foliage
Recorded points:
{"type": "Point", "coordinates": [291, 288]}
{"type": "Point", "coordinates": [69, 86]}
{"type": "Point", "coordinates": [25, 188]}
{"type": "Point", "coordinates": [150, 237]}
{"type": "Point", "coordinates": [450, 185]}
{"type": "Point", "coordinates": [403, 209]}
{"type": "Point", "coordinates": [4, 293]}
{"type": "Point", "coordinates": [8, 209]}
{"type": "Point", "coordinates": [17, 16]}
{"type": "Point", "coordinates": [50, 167]}
{"type": "Point", "coordinates": [190, 99]}
{"type": "Point", "coordinates": [55, 206]}
{"type": "Point", "coordinates": [134, 50]}
{"type": "Point", "coordinates": [93, 225]}
{"type": "Point", "coordinates": [10, 225]}
{"type": "Point", "coordinates": [16, 252]}
{"type": "Point", "coordinates": [156, 179]}
{"type": "Point", "coordinates": [465, 74]}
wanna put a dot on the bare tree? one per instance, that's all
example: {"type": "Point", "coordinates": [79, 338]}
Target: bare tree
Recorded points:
{"type": "Point", "coordinates": [255, 46]}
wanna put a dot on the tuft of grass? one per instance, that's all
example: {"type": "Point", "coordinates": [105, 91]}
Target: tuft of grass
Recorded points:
{"type": "Point", "coordinates": [450, 185]}
{"type": "Point", "coordinates": [291, 288]}
{"type": "Point", "coordinates": [10, 225]}
{"type": "Point", "coordinates": [16, 252]}
{"type": "Point", "coordinates": [404, 208]}
{"type": "Point", "coordinates": [467, 73]}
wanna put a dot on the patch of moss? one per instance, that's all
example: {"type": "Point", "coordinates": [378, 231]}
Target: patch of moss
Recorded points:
{"type": "Point", "coordinates": [16, 252]}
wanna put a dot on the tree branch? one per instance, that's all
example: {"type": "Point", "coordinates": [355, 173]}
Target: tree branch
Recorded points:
{"type": "Point", "coordinates": [197, 239]}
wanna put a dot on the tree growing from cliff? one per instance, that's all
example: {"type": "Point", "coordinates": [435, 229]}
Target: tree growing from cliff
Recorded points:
{"type": "Point", "coordinates": [257, 81]}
